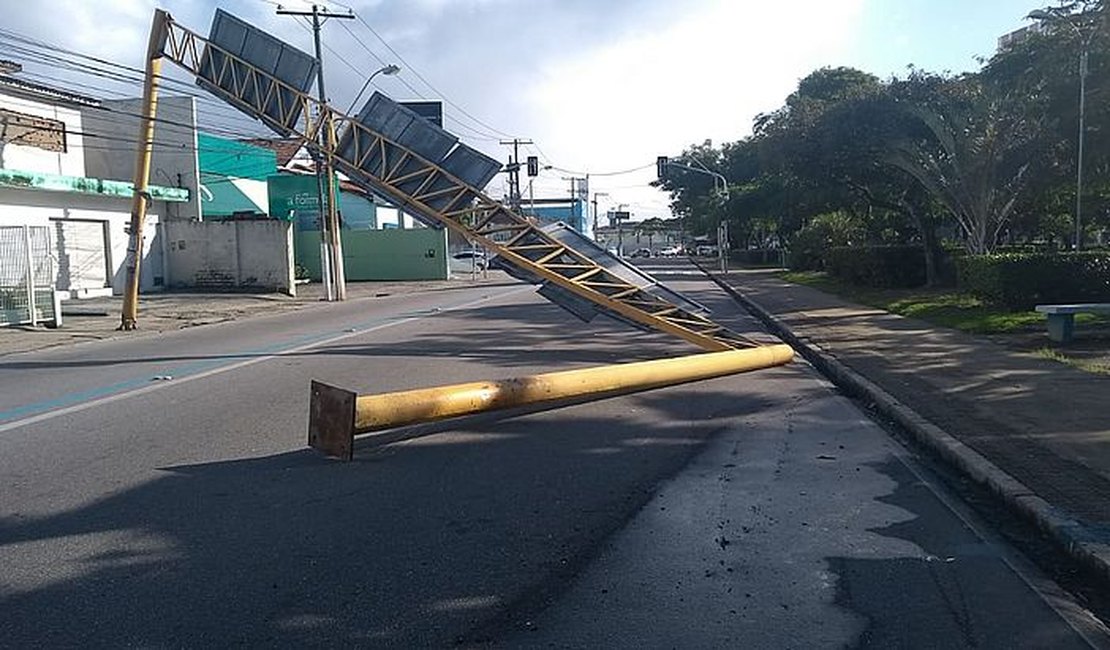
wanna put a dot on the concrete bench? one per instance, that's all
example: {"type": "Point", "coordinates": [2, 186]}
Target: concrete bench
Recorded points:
{"type": "Point", "coordinates": [1061, 318]}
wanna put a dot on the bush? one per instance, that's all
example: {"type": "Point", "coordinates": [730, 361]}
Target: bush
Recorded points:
{"type": "Point", "coordinates": [757, 256]}
{"type": "Point", "coordinates": [807, 251]}
{"type": "Point", "coordinates": [809, 246]}
{"type": "Point", "coordinates": [878, 266]}
{"type": "Point", "coordinates": [1020, 281]}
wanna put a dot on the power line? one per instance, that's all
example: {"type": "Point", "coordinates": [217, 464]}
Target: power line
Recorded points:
{"type": "Point", "coordinates": [55, 62]}
{"type": "Point", "coordinates": [475, 133]}
{"type": "Point", "coordinates": [613, 173]}
{"type": "Point", "coordinates": [111, 114]}
{"type": "Point", "coordinates": [415, 72]}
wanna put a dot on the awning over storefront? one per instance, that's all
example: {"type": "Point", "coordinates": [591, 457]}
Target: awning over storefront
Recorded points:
{"type": "Point", "coordinates": [23, 180]}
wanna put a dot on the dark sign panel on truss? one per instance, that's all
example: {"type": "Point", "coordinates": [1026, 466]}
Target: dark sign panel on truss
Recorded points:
{"type": "Point", "coordinates": [405, 130]}
{"type": "Point", "coordinates": [431, 111]}
{"type": "Point", "coordinates": [232, 79]}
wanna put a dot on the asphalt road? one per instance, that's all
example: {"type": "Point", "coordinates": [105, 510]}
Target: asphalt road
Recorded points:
{"type": "Point", "coordinates": [157, 492]}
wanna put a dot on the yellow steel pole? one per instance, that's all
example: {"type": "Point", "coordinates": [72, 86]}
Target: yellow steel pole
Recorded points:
{"type": "Point", "coordinates": [336, 415]}
{"type": "Point", "coordinates": [129, 316]}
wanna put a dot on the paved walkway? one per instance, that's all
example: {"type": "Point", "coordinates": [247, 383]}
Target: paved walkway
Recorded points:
{"type": "Point", "coordinates": [1044, 423]}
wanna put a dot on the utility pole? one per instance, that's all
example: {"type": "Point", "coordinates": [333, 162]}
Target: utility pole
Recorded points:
{"type": "Point", "coordinates": [331, 249]}
{"type": "Point", "coordinates": [514, 170]}
{"type": "Point", "coordinates": [722, 245]}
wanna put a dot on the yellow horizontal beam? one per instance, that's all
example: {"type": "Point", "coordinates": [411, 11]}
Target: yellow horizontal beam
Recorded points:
{"type": "Point", "coordinates": [336, 415]}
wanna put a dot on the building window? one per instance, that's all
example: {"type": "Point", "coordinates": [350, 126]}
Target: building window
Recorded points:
{"type": "Point", "coordinates": [32, 131]}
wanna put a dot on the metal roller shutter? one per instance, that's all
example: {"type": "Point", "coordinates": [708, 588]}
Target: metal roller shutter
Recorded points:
{"type": "Point", "coordinates": [82, 255]}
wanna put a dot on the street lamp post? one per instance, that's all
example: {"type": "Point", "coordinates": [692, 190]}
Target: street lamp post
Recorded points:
{"type": "Point", "coordinates": [1054, 16]}
{"type": "Point", "coordinates": [1079, 145]}
{"type": "Point", "coordinates": [389, 69]}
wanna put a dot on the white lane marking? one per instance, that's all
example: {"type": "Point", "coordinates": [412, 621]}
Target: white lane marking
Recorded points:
{"type": "Point", "coordinates": [42, 417]}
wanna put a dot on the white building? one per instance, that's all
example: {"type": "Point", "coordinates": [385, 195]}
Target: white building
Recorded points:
{"type": "Point", "coordinates": [48, 137]}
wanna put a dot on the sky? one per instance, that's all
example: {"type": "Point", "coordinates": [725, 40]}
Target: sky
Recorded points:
{"type": "Point", "coordinates": [600, 86]}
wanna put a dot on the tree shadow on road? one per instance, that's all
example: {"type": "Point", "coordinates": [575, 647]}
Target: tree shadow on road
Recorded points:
{"type": "Point", "coordinates": [942, 590]}
{"type": "Point", "coordinates": [410, 545]}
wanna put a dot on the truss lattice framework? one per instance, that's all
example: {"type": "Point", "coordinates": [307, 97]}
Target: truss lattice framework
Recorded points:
{"type": "Point", "coordinates": [425, 188]}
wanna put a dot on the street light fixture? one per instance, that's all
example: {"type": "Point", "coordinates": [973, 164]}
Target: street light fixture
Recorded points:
{"type": "Point", "coordinates": [389, 69]}
{"type": "Point", "coordinates": [1055, 16]}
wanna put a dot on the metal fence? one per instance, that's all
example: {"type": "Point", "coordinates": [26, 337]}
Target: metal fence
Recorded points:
{"type": "Point", "coordinates": [27, 294]}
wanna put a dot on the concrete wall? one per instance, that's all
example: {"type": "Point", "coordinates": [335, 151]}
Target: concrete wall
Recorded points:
{"type": "Point", "coordinates": [230, 255]}
{"type": "Point", "coordinates": [418, 254]}
{"type": "Point", "coordinates": [174, 160]}
{"type": "Point", "coordinates": [71, 162]}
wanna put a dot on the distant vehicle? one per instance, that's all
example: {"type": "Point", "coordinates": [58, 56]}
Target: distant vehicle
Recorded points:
{"type": "Point", "coordinates": [471, 259]}
{"type": "Point", "coordinates": [671, 251]}
{"type": "Point", "coordinates": [706, 251]}
{"type": "Point", "coordinates": [641, 252]}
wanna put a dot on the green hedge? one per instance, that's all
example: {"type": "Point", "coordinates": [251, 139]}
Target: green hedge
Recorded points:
{"type": "Point", "coordinates": [878, 266]}
{"type": "Point", "coordinates": [1021, 281]}
{"type": "Point", "coordinates": [757, 256]}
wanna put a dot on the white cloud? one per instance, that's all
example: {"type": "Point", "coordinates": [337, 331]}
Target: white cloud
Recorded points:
{"type": "Point", "coordinates": [599, 85]}
{"type": "Point", "coordinates": [705, 76]}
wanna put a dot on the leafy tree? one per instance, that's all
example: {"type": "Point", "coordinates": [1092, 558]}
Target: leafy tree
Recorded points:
{"type": "Point", "coordinates": [834, 144]}
{"type": "Point", "coordinates": [1043, 71]}
{"type": "Point", "coordinates": [976, 157]}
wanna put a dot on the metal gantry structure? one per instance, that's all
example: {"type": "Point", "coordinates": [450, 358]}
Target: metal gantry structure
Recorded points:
{"type": "Point", "coordinates": [445, 191]}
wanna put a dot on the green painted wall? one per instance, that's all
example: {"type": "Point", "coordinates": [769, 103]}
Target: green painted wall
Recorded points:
{"type": "Point", "coordinates": [293, 197]}
{"type": "Point", "coordinates": [224, 157]}
{"type": "Point", "coordinates": [417, 254]}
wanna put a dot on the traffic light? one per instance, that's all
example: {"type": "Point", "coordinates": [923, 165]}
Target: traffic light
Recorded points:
{"type": "Point", "coordinates": [661, 167]}
{"type": "Point", "coordinates": [533, 166]}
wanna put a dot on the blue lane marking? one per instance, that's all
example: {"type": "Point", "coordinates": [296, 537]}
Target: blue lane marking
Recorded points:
{"type": "Point", "coordinates": [197, 367]}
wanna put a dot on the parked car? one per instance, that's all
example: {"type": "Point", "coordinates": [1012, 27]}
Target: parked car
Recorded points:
{"type": "Point", "coordinates": [706, 251]}
{"type": "Point", "coordinates": [641, 252]}
{"type": "Point", "coordinates": [671, 251]}
{"type": "Point", "coordinates": [464, 261]}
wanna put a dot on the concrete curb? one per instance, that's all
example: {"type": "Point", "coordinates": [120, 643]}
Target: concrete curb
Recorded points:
{"type": "Point", "coordinates": [1076, 540]}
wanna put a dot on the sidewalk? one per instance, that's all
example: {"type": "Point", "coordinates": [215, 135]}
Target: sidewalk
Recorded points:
{"type": "Point", "coordinates": [1036, 431]}
{"type": "Point", "coordinates": [97, 318]}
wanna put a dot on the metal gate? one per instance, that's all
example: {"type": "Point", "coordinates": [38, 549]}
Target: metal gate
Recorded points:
{"type": "Point", "coordinates": [27, 294]}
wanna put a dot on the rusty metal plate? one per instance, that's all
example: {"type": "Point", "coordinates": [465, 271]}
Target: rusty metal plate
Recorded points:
{"type": "Point", "coordinates": [331, 421]}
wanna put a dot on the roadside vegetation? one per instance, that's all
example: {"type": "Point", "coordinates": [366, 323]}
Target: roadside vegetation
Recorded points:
{"type": "Point", "coordinates": [946, 197]}
{"type": "Point", "coordinates": [1052, 354]}
{"type": "Point", "coordinates": [944, 307]}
